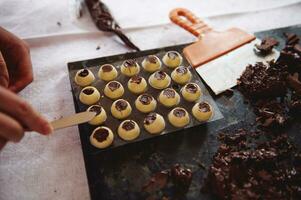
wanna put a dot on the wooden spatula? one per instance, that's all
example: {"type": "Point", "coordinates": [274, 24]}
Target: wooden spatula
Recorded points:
{"type": "Point", "coordinates": [72, 120]}
{"type": "Point", "coordinates": [220, 57]}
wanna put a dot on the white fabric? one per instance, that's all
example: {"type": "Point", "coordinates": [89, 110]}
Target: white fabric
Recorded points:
{"type": "Point", "coordinates": [52, 167]}
{"type": "Point", "coordinates": [155, 12]}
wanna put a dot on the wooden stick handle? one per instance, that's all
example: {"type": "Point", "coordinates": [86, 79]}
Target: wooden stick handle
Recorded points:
{"type": "Point", "coordinates": [187, 20]}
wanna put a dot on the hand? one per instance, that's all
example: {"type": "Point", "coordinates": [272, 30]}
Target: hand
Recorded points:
{"type": "Point", "coordinates": [16, 116]}
{"type": "Point", "coordinates": [15, 63]}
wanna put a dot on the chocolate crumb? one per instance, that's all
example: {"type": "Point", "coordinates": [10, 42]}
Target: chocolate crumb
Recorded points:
{"type": "Point", "coordinates": [107, 68]}
{"type": "Point", "coordinates": [160, 75]}
{"type": "Point", "coordinates": [179, 112]}
{"type": "Point", "coordinates": [150, 118]}
{"type": "Point", "coordinates": [101, 134]}
{"type": "Point", "coordinates": [88, 91]}
{"type": "Point", "coordinates": [169, 93]}
{"type": "Point", "coordinates": [152, 59]}
{"type": "Point", "coordinates": [172, 55]}
{"type": "Point", "coordinates": [128, 125]}
{"type": "Point", "coordinates": [136, 79]}
{"type": "Point", "coordinates": [114, 85]}
{"type": "Point", "coordinates": [121, 105]}
{"type": "Point", "coordinates": [83, 73]}
{"type": "Point", "coordinates": [191, 88]}
{"type": "Point", "coordinates": [130, 63]}
{"type": "Point", "coordinates": [145, 99]}
{"type": "Point", "coordinates": [97, 48]}
{"type": "Point", "coordinates": [182, 70]}
{"type": "Point", "coordinates": [204, 107]}
{"type": "Point", "coordinates": [96, 109]}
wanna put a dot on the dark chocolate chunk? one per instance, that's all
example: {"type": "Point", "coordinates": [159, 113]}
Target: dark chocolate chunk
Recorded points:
{"type": "Point", "coordinates": [88, 91]}
{"type": "Point", "coordinates": [291, 38]}
{"type": "Point", "coordinates": [114, 85]}
{"type": "Point", "coordinates": [145, 99]}
{"type": "Point", "coordinates": [179, 112]}
{"type": "Point", "coordinates": [204, 107]}
{"type": "Point", "coordinates": [121, 105]}
{"type": "Point", "coordinates": [156, 182]}
{"type": "Point", "coordinates": [172, 55]}
{"type": "Point", "coordinates": [84, 73]}
{"type": "Point", "coordinates": [101, 134]}
{"type": "Point", "coordinates": [182, 70]}
{"type": "Point", "coordinates": [191, 88]}
{"type": "Point", "coordinates": [136, 79]}
{"type": "Point", "coordinates": [160, 75]}
{"type": "Point", "coordinates": [150, 118]}
{"type": "Point", "coordinates": [271, 113]}
{"type": "Point", "coordinates": [107, 68]}
{"type": "Point", "coordinates": [181, 177]}
{"type": "Point", "coordinates": [96, 109]}
{"type": "Point", "coordinates": [152, 59]}
{"type": "Point", "coordinates": [128, 125]}
{"type": "Point", "coordinates": [169, 93]}
{"type": "Point", "coordinates": [130, 63]}
{"type": "Point", "coordinates": [267, 45]}
{"type": "Point", "coordinates": [294, 82]}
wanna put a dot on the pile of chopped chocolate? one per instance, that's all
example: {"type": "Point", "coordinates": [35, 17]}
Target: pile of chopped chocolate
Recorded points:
{"type": "Point", "coordinates": [274, 89]}
{"type": "Point", "coordinates": [246, 167]}
{"type": "Point", "coordinates": [260, 81]}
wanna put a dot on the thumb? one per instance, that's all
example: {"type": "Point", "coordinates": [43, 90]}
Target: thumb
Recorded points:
{"type": "Point", "coordinates": [4, 77]}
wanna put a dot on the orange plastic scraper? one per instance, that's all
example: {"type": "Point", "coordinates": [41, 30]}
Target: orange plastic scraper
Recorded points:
{"type": "Point", "coordinates": [219, 57]}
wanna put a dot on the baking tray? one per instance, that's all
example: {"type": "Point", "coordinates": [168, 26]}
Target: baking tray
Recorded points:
{"type": "Point", "coordinates": [113, 123]}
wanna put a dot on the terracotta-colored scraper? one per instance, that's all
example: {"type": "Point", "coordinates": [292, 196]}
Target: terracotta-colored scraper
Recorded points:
{"type": "Point", "coordinates": [219, 57]}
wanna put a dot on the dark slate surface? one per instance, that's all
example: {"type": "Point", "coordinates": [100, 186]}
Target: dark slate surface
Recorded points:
{"type": "Point", "coordinates": [120, 173]}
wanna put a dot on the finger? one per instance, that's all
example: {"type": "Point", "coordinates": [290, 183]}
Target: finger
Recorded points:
{"type": "Point", "coordinates": [2, 143]}
{"type": "Point", "coordinates": [4, 78]}
{"type": "Point", "coordinates": [10, 129]}
{"type": "Point", "coordinates": [25, 74]}
{"type": "Point", "coordinates": [19, 109]}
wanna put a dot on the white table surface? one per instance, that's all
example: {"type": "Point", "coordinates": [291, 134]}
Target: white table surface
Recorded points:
{"type": "Point", "coordinates": [52, 167]}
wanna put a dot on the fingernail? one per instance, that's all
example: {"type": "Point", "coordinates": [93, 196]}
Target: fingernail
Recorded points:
{"type": "Point", "coordinates": [47, 129]}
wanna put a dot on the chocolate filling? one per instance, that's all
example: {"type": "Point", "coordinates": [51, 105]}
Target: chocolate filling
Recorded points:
{"type": "Point", "coordinates": [160, 75]}
{"type": "Point", "coordinates": [129, 63]}
{"type": "Point", "coordinates": [182, 70]}
{"type": "Point", "coordinates": [114, 85]}
{"type": "Point", "coordinates": [136, 79]}
{"type": "Point", "coordinates": [204, 107]}
{"type": "Point", "coordinates": [169, 93]}
{"type": "Point", "coordinates": [107, 68]}
{"type": "Point", "coordinates": [152, 59]}
{"type": "Point", "coordinates": [121, 105]}
{"type": "Point", "coordinates": [179, 112]}
{"type": "Point", "coordinates": [145, 99]}
{"type": "Point", "coordinates": [83, 73]}
{"type": "Point", "coordinates": [96, 109]}
{"type": "Point", "coordinates": [150, 118]}
{"type": "Point", "coordinates": [191, 88]}
{"type": "Point", "coordinates": [128, 125]}
{"type": "Point", "coordinates": [88, 91]}
{"type": "Point", "coordinates": [172, 55]}
{"type": "Point", "coordinates": [101, 134]}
